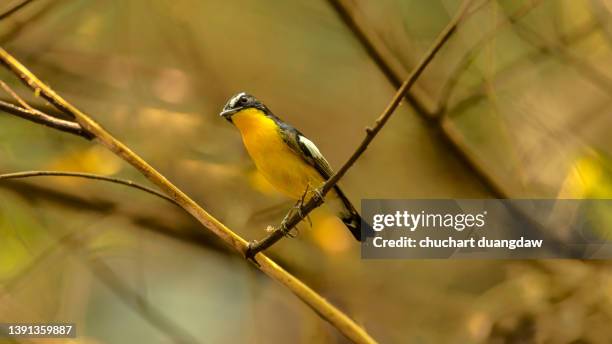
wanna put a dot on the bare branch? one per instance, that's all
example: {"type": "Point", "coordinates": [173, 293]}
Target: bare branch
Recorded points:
{"type": "Point", "coordinates": [29, 174]}
{"type": "Point", "coordinates": [321, 306]}
{"type": "Point", "coordinates": [15, 96]}
{"type": "Point", "coordinates": [443, 127]}
{"type": "Point", "coordinates": [39, 117]}
{"type": "Point", "coordinates": [456, 143]}
{"type": "Point", "coordinates": [314, 202]}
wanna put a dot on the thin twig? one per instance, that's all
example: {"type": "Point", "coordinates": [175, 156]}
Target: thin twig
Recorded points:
{"type": "Point", "coordinates": [14, 9]}
{"type": "Point", "coordinates": [443, 127]}
{"type": "Point", "coordinates": [456, 142]}
{"type": "Point", "coordinates": [439, 123]}
{"type": "Point", "coordinates": [371, 132]}
{"type": "Point", "coordinates": [321, 306]}
{"type": "Point", "coordinates": [39, 117]}
{"type": "Point", "coordinates": [29, 174]}
{"type": "Point", "coordinates": [15, 96]}
{"type": "Point", "coordinates": [180, 229]}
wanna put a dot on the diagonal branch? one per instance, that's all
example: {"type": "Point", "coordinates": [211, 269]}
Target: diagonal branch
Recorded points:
{"type": "Point", "coordinates": [179, 228]}
{"type": "Point", "coordinates": [454, 139]}
{"type": "Point", "coordinates": [387, 62]}
{"type": "Point", "coordinates": [371, 132]}
{"type": "Point", "coordinates": [72, 243]}
{"type": "Point", "coordinates": [40, 117]}
{"type": "Point", "coordinates": [441, 124]}
{"type": "Point", "coordinates": [133, 299]}
{"type": "Point", "coordinates": [28, 174]}
{"type": "Point", "coordinates": [14, 9]}
{"type": "Point", "coordinates": [321, 306]}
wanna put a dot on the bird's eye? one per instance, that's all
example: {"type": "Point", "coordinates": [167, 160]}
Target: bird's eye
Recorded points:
{"type": "Point", "coordinates": [242, 100]}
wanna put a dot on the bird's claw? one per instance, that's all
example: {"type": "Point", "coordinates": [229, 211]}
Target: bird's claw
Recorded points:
{"type": "Point", "coordinates": [318, 195]}
{"type": "Point", "coordinates": [298, 208]}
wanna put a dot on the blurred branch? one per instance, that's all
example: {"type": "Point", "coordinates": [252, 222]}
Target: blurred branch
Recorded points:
{"type": "Point", "coordinates": [151, 224]}
{"type": "Point", "coordinates": [569, 38]}
{"type": "Point", "coordinates": [72, 242]}
{"type": "Point", "coordinates": [451, 139]}
{"type": "Point", "coordinates": [603, 16]}
{"type": "Point", "coordinates": [29, 174]}
{"type": "Point", "coordinates": [450, 136]}
{"type": "Point", "coordinates": [477, 8]}
{"type": "Point", "coordinates": [476, 49]}
{"type": "Point", "coordinates": [321, 306]}
{"type": "Point", "coordinates": [543, 46]}
{"type": "Point", "coordinates": [46, 255]}
{"type": "Point", "coordinates": [296, 217]}
{"type": "Point", "coordinates": [135, 301]}
{"type": "Point", "coordinates": [582, 66]}
{"type": "Point", "coordinates": [18, 26]}
{"type": "Point", "coordinates": [387, 62]}
{"type": "Point", "coordinates": [14, 9]}
{"type": "Point", "coordinates": [455, 141]}
{"type": "Point", "coordinates": [176, 229]}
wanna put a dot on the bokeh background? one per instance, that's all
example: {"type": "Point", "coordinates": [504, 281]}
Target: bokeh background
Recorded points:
{"type": "Point", "coordinates": [517, 104]}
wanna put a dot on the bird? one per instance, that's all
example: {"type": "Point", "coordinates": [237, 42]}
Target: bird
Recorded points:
{"type": "Point", "coordinates": [286, 158]}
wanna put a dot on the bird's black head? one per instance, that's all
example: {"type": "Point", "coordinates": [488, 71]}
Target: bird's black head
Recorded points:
{"type": "Point", "coordinates": [240, 102]}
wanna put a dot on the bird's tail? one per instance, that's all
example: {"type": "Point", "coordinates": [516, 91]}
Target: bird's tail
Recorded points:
{"type": "Point", "coordinates": [348, 215]}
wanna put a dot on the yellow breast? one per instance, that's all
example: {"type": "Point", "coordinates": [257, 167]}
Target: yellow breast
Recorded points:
{"type": "Point", "coordinates": [280, 165]}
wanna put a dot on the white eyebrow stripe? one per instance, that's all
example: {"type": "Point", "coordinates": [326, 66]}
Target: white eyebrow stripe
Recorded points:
{"type": "Point", "coordinates": [312, 148]}
{"type": "Point", "coordinates": [234, 100]}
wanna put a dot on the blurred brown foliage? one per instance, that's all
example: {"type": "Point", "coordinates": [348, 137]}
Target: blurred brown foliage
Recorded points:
{"type": "Point", "coordinates": [526, 97]}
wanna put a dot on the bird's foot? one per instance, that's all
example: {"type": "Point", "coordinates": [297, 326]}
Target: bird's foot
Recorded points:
{"type": "Point", "coordinates": [289, 233]}
{"type": "Point", "coordinates": [298, 209]}
{"type": "Point", "coordinates": [317, 195]}
{"type": "Point", "coordinates": [250, 252]}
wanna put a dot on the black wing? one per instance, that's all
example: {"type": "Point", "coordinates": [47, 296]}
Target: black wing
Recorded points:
{"type": "Point", "coordinates": [306, 149]}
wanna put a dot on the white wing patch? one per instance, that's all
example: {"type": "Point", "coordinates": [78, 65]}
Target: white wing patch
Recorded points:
{"type": "Point", "coordinates": [317, 158]}
{"type": "Point", "coordinates": [314, 151]}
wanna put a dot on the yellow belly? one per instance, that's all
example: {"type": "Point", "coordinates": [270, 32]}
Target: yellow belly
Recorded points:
{"type": "Point", "coordinates": [281, 166]}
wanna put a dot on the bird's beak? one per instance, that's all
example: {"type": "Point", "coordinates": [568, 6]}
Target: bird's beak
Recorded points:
{"type": "Point", "coordinates": [227, 113]}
